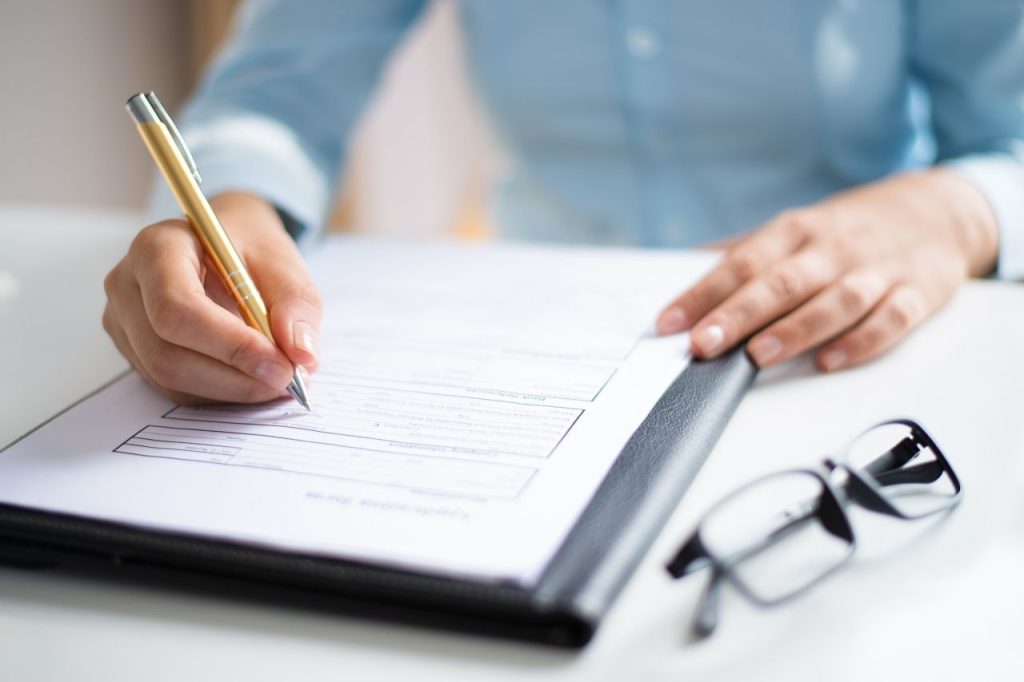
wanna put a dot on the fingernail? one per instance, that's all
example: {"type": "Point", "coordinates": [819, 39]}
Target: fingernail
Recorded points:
{"type": "Point", "coordinates": [671, 321]}
{"type": "Point", "coordinates": [709, 338]}
{"type": "Point", "coordinates": [765, 349]}
{"type": "Point", "coordinates": [833, 360]}
{"type": "Point", "coordinates": [304, 338]}
{"type": "Point", "coordinates": [273, 374]}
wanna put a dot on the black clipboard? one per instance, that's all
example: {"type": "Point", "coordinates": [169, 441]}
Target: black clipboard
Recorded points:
{"type": "Point", "coordinates": [564, 608]}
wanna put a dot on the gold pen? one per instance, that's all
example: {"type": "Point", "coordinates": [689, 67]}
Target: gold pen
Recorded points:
{"type": "Point", "coordinates": [169, 152]}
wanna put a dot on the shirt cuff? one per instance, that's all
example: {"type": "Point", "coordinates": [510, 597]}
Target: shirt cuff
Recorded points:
{"type": "Point", "coordinates": [258, 155]}
{"type": "Point", "coordinates": [1000, 178]}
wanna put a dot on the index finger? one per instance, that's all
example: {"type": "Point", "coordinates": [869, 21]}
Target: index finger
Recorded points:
{"type": "Point", "coordinates": [180, 312]}
{"type": "Point", "coordinates": [744, 261]}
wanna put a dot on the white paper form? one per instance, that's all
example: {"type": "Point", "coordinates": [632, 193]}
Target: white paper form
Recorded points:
{"type": "Point", "coordinates": [471, 398]}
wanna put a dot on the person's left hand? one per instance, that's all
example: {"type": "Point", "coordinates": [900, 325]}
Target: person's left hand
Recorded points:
{"type": "Point", "coordinates": [855, 272]}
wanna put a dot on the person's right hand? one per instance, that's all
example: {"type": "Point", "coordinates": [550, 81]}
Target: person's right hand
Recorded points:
{"type": "Point", "coordinates": [171, 317]}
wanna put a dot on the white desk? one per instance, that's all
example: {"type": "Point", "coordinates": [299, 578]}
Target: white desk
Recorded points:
{"type": "Point", "coordinates": [936, 600]}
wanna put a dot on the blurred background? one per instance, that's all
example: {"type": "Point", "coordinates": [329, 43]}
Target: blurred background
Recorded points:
{"type": "Point", "coordinates": [68, 67]}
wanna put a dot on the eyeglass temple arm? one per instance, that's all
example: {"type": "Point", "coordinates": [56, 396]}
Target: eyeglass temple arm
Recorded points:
{"type": "Point", "coordinates": [690, 557]}
{"type": "Point", "coordinates": [901, 453]}
{"type": "Point", "coordinates": [857, 489]}
{"type": "Point", "coordinates": [705, 617]}
{"type": "Point", "coordinates": [926, 472]}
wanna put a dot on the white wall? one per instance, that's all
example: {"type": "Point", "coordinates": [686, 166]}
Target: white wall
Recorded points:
{"type": "Point", "coordinates": [66, 69]}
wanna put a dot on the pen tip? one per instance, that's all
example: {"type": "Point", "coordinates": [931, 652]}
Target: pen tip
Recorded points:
{"type": "Point", "coordinates": [297, 389]}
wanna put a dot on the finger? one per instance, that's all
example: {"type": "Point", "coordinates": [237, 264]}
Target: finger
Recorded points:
{"type": "Point", "coordinates": [840, 306]}
{"type": "Point", "coordinates": [175, 307]}
{"type": "Point", "coordinates": [899, 311]}
{"type": "Point", "coordinates": [293, 300]}
{"type": "Point", "coordinates": [771, 243]}
{"type": "Point", "coordinates": [117, 285]}
{"type": "Point", "coordinates": [184, 372]}
{"type": "Point", "coordinates": [120, 340]}
{"type": "Point", "coordinates": [777, 291]}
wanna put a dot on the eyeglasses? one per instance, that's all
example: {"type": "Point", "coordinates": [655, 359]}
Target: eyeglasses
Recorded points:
{"type": "Point", "coordinates": [777, 536]}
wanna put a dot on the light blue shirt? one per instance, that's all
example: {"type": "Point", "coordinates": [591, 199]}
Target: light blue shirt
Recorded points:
{"type": "Point", "coordinates": [646, 122]}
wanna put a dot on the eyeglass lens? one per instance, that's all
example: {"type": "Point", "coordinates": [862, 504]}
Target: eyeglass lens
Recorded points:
{"type": "Point", "coordinates": [772, 536]}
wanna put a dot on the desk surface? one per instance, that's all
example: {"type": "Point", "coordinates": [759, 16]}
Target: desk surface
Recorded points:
{"type": "Point", "coordinates": [937, 599]}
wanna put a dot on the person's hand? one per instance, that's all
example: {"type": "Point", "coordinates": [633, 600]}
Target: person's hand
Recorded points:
{"type": "Point", "coordinates": [855, 272]}
{"type": "Point", "coordinates": [171, 317]}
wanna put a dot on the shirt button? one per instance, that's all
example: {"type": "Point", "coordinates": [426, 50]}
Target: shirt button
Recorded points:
{"type": "Point", "coordinates": [642, 42]}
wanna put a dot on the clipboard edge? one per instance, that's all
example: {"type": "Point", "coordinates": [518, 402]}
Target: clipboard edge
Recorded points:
{"type": "Point", "coordinates": [564, 609]}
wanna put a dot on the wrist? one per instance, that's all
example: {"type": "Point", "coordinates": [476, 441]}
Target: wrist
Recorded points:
{"type": "Point", "coordinates": [972, 220]}
{"type": "Point", "coordinates": [939, 206]}
{"type": "Point", "coordinates": [244, 214]}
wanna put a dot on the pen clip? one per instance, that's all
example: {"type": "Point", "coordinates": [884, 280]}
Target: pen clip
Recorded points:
{"type": "Point", "coordinates": [165, 118]}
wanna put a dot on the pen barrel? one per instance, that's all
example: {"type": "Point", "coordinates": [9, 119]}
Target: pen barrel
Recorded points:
{"type": "Point", "coordinates": [207, 227]}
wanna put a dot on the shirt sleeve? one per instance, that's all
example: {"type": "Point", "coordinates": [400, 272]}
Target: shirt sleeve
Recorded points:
{"type": "Point", "coordinates": [969, 56]}
{"type": "Point", "coordinates": [273, 114]}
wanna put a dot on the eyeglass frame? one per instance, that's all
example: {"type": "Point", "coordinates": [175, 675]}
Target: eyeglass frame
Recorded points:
{"type": "Point", "coordinates": [862, 487]}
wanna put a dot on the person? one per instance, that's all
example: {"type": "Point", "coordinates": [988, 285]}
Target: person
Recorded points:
{"type": "Point", "coordinates": [861, 158]}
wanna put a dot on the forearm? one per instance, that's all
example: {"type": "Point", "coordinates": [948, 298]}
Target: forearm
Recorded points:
{"type": "Point", "coordinates": [969, 58]}
{"type": "Point", "coordinates": [273, 114]}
